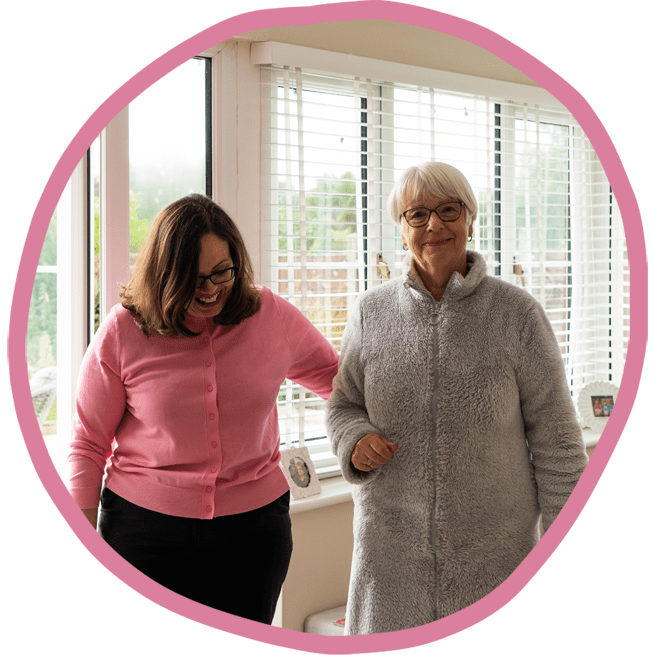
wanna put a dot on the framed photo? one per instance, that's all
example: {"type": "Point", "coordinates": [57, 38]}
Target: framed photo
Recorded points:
{"type": "Point", "coordinates": [298, 467]}
{"type": "Point", "coordinates": [595, 404]}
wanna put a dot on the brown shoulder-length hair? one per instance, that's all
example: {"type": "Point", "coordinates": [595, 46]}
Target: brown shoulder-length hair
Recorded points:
{"type": "Point", "coordinates": [165, 276]}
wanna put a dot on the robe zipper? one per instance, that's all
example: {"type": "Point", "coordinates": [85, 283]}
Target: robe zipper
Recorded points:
{"type": "Point", "coordinates": [434, 321]}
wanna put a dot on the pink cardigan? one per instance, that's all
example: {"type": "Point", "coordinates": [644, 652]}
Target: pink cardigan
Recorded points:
{"type": "Point", "coordinates": [191, 423]}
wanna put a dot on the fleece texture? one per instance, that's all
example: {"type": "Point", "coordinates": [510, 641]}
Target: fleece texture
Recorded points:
{"type": "Point", "coordinates": [473, 391]}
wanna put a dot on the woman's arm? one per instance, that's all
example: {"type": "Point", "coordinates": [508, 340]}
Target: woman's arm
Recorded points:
{"type": "Point", "coordinates": [348, 424]}
{"type": "Point", "coordinates": [552, 431]}
{"type": "Point", "coordinates": [100, 405]}
{"type": "Point", "coordinates": [314, 361]}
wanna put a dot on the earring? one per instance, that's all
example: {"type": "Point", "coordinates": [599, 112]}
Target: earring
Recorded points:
{"type": "Point", "coordinates": [405, 246]}
{"type": "Point", "coordinates": [471, 238]}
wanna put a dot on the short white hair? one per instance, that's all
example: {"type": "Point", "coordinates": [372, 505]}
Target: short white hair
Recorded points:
{"type": "Point", "coordinates": [432, 179]}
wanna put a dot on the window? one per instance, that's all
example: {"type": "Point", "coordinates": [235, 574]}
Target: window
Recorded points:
{"type": "Point", "coordinates": [322, 207]}
{"type": "Point", "coordinates": [169, 133]}
{"type": "Point", "coordinates": [98, 226]}
{"type": "Point", "coordinates": [332, 147]}
{"type": "Point", "coordinates": [41, 341]}
{"type": "Point", "coordinates": [55, 343]}
{"type": "Point", "coordinates": [166, 140]}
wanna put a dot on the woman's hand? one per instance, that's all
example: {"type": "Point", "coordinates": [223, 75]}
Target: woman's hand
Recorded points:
{"type": "Point", "coordinates": [371, 451]}
{"type": "Point", "coordinates": [92, 516]}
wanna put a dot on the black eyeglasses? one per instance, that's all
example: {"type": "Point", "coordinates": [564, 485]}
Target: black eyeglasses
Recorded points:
{"type": "Point", "coordinates": [446, 211]}
{"type": "Point", "coordinates": [220, 277]}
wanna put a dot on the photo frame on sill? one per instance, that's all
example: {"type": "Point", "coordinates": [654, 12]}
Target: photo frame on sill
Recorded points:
{"type": "Point", "coordinates": [595, 404]}
{"type": "Point", "coordinates": [301, 475]}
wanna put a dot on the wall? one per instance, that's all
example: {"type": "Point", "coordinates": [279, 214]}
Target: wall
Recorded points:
{"type": "Point", "coordinates": [320, 565]}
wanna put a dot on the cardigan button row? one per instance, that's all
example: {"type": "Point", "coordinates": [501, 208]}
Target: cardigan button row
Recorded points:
{"type": "Point", "coordinates": [209, 489]}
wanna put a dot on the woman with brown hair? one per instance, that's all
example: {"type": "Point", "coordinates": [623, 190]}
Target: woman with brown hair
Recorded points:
{"type": "Point", "coordinates": [177, 398]}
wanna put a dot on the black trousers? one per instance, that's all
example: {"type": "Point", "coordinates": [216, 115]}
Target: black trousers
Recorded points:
{"type": "Point", "coordinates": [235, 563]}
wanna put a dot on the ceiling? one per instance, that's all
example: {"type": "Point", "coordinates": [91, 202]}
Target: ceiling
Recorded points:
{"type": "Point", "coordinates": [397, 42]}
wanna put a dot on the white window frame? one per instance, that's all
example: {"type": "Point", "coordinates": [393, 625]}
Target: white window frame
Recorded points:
{"type": "Point", "coordinates": [586, 315]}
{"type": "Point", "coordinates": [74, 299]}
{"type": "Point", "coordinates": [71, 268]}
{"type": "Point", "coordinates": [71, 293]}
{"type": "Point", "coordinates": [237, 174]}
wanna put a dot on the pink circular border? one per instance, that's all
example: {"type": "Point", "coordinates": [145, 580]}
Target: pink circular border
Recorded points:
{"type": "Point", "coordinates": [308, 16]}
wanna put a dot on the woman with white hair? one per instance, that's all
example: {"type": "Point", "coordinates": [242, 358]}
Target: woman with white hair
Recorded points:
{"type": "Point", "coordinates": [452, 417]}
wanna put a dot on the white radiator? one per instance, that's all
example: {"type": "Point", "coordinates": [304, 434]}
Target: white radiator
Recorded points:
{"type": "Point", "coordinates": [323, 623]}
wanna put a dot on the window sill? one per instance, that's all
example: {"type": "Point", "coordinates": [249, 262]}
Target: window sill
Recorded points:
{"type": "Point", "coordinates": [333, 491]}
{"type": "Point", "coordinates": [590, 437]}
{"type": "Point", "coordinates": [337, 490]}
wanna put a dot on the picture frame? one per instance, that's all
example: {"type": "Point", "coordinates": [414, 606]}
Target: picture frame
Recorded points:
{"type": "Point", "coordinates": [300, 473]}
{"type": "Point", "coordinates": [595, 404]}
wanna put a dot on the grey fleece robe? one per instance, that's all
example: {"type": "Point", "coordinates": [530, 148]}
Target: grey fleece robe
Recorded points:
{"type": "Point", "coordinates": [473, 391]}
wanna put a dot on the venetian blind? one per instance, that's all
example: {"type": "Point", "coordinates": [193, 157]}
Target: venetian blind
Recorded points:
{"type": "Point", "coordinates": [332, 147]}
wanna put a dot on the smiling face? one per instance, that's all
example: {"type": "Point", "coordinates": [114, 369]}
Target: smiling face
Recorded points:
{"type": "Point", "coordinates": [438, 247]}
{"type": "Point", "coordinates": [210, 298]}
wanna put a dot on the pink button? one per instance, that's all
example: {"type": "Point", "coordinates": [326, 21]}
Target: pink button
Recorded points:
{"type": "Point", "coordinates": [209, 364]}
{"type": "Point", "coordinates": [210, 388]}
{"type": "Point", "coordinates": [208, 490]}
{"type": "Point", "coordinates": [214, 444]}
{"type": "Point", "coordinates": [213, 469]}
{"type": "Point", "coordinates": [205, 340]}
{"type": "Point", "coordinates": [208, 508]}
{"type": "Point", "coordinates": [212, 416]}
